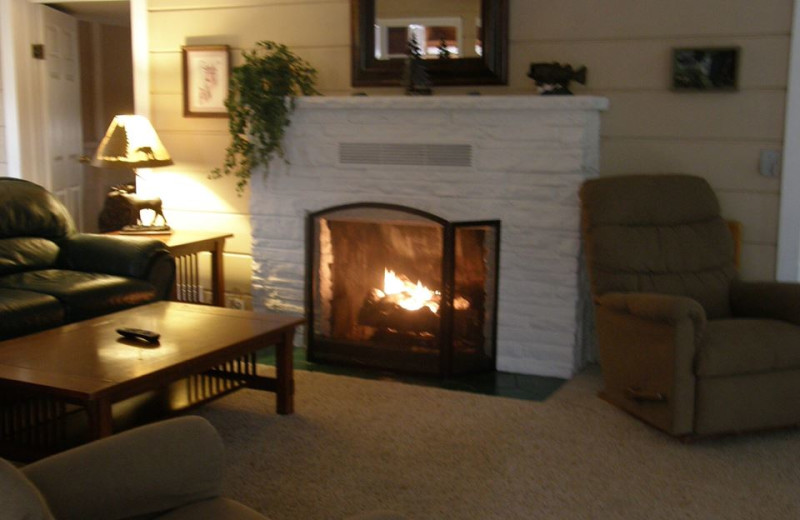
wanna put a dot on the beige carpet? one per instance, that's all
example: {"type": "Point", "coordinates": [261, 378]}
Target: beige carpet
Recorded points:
{"type": "Point", "coordinates": [432, 454]}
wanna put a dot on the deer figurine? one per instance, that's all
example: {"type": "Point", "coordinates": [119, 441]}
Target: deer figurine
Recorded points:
{"type": "Point", "coordinates": [137, 204]}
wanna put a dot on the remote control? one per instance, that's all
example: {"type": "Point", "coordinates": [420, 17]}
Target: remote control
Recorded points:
{"type": "Point", "coordinates": [140, 334]}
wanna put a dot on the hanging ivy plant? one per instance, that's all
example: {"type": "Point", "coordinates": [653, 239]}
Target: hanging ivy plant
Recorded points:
{"type": "Point", "coordinates": [260, 100]}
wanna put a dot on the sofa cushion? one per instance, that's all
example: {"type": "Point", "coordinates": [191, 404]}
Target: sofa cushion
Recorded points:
{"type": "Point", "coordinates": [19, 499]}
{"type": "Point", "coordinates": [747, 346]}
{"type": "Point", "coordinates": [682, 260]}
{"type": "Point", "coordinates": [25, 312]}
{"type": "Point", "coordinates": [26, 253]}
{"type": "Point", "coordinates": [29, 210]}
{"type": "Point", "coordinates": [691, 200]}
{"type": "Point", "coordinates": [84, 295]}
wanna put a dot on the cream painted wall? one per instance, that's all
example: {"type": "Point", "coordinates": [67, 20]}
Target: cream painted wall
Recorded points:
{"type": "Point", "coordinates": [626, 45]}
{"type": "Point", "coordinates": [3, 154]}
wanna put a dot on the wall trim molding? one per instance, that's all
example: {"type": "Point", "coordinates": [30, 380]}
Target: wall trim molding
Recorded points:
{"type": "Point", "coordinates": [11, 115]}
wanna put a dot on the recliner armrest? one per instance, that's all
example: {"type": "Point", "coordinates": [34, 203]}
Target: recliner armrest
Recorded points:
{"type": "Point", "coordinates": [657, 307]}
{"type": "Point", "coordinates": [148, 260]}
{"type": "Point", "coordinates": [647, 345]}
{"type": "Point", "coordinates": [772, 300]}
{"type": "Point", "coordinates": [146, 470]}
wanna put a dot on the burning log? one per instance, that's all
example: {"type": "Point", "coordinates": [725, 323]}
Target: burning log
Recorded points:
{"type": "Point", "coordinates": [384, 312]}
{"type": "Point", "coordinates": [404, 307]}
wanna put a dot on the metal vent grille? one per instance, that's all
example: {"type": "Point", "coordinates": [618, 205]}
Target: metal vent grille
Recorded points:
{"type": "Point", "coordinates": [394, 154]}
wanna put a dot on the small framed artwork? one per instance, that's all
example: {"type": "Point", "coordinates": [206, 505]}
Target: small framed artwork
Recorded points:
{"type": "Point", "coordinates": [206, 71]}
{"type": "Point", "coordinates": [705, 69]}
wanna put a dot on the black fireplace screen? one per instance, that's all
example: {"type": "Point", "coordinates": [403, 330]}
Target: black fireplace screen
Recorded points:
{"type": "Point", "coordinates": [397, 288]}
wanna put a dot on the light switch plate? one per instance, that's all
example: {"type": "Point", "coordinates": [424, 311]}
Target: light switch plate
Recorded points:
{"type": "Point", "coordinates": [769, 163]}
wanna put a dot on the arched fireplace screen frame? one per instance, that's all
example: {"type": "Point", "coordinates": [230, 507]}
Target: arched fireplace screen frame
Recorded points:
{"type": "Point", "coordinates": [448, 357]}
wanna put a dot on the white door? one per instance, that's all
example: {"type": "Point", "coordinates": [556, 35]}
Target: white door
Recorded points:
{"type": "Point", "coordinates": [64, 141]}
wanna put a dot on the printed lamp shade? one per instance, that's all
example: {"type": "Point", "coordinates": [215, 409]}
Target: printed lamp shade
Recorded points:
{"type": "Point", "coordinates": [131, 142]}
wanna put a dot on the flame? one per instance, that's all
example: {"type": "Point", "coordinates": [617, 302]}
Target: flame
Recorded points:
{"type": "Point", "coordinates": [408, 295]}
{"type": "Point", "coordinates": [412, 296]}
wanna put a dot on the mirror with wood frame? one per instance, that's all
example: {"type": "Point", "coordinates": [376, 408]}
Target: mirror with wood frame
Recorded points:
{"type": "Point", "coordinates": [462, 42]}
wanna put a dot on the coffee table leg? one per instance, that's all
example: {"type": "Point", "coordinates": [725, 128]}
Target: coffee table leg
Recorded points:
{"type": "Point", "coordinates": [284, 374]}
{"type": "Point", "coordinates": [99, 418]}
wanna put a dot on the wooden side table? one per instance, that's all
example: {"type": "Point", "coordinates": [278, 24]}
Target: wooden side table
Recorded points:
{"type": "Point", "coordinates": [185, 247]}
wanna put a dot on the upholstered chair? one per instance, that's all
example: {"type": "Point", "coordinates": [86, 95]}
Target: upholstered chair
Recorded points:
{"type": "Point", "coordinates": [171, 470]}
{"type": "Point", "coordinates": [683, 343]}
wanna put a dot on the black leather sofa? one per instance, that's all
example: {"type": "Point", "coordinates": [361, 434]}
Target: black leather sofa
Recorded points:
{"type": "Point", "coordinates": [50, 274]}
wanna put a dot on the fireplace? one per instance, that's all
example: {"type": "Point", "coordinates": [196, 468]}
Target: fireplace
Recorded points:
{"type": "Point", "coordinates": [398, 288]}
{"type": "Point", "coordinates": [519, 159]}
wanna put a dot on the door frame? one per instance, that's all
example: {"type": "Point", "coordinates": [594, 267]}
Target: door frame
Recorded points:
{"type": "Point", "coordinates": [788, 255]}
{"type": "Point", "coordinates": [23, 90]}
{"type": "Point", "coordinates": [8, 49]}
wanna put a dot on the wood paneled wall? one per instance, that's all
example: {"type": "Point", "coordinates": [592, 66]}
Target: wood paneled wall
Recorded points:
{"type": "Point", "coordinates": [3, 156]}
{"type": "Point", "coordinates": [626, 45]}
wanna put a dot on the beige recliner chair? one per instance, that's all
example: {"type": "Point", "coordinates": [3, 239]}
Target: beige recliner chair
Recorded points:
{"type": "Point", "coordinates": [171, 470]}
{"type": "Point", "coordinates": [683, 343]}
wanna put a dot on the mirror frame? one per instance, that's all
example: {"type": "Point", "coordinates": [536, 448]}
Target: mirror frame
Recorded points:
{"type": "Point", "coordinates": [490, 69]}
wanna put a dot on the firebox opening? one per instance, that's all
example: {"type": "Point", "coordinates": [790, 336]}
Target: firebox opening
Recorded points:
{"type": "Point", "coordinates": [399, 289]}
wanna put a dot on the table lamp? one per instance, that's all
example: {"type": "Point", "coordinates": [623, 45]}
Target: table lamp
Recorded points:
{"type": "Point", "coordinates": [131, 142]}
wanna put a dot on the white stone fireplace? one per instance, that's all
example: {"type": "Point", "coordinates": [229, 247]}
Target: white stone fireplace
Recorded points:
{"type": "Point", "coordinates": [519, 159]}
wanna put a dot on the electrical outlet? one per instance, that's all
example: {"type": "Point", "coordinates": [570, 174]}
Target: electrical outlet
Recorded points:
{"type": "Point", "coordinates": [236, 303]}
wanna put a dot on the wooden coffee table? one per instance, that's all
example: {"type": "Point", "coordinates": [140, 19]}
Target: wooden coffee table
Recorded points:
{"type": "Point", "coordinates": [87, 365]}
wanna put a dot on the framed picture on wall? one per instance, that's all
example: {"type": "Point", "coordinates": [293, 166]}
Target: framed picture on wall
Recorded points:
{"type": "Point", "coordinates": [705, 69]}
{"type": "Point", "coordinates": [206, 71]}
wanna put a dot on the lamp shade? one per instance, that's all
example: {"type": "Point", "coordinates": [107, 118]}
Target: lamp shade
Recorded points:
{"type": "Point", "coordinates": [131, 142]}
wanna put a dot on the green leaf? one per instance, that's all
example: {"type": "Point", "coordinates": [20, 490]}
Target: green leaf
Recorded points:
{"type": "Point", "coordinates": [261, 98]}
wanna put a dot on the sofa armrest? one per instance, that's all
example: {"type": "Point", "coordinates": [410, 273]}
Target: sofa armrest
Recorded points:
{"type": "Point", "coordinates": [647, 345]}
{"type": "Point", "coordinates": [149, 469]}
{"type": "Point", "coordinates": [772, 300]}
{"type": "Point", "coordinates": [143, 259]}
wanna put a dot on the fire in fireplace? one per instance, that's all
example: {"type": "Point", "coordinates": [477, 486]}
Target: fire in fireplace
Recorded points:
{"type": "Point", "coordinates": [397, 288]}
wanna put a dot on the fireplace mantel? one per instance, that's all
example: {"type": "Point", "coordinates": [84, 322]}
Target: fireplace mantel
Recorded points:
{"type": "Point", "coordinates": [519, 159]}
{"type": "Point", "coordinates": [547, 103]}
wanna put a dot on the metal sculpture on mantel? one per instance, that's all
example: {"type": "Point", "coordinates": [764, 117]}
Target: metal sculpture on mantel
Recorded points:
{"type": "Point", "coordinates": [415, 77]}
{"type": "Point", "coordinates": [553, 78]}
